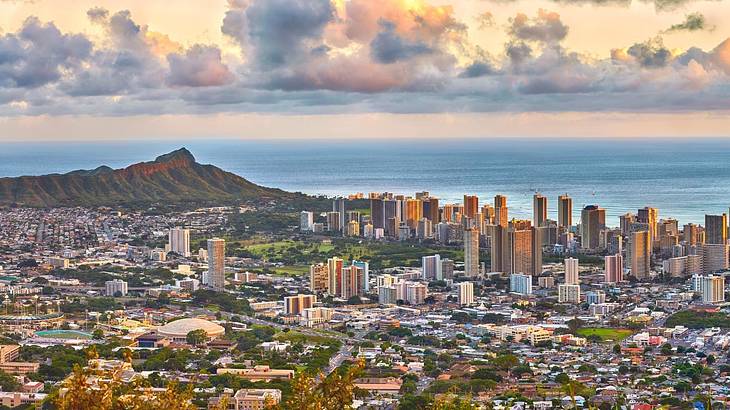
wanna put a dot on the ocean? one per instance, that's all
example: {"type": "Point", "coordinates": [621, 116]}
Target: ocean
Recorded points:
{"type": "Point", "coordinates": [684, 178]}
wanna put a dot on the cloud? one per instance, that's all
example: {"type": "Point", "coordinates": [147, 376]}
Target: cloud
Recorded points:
{"type": "Point", "coordinates": [200, 66]}
{"type": "Point", "coordinates": [546, 27]}
{"type": "Point", "coordinates": [278, 31]}
{"type": "Point", "coordinates": [651, 53]}
{"type": "Point", "coordinates": [388, 47]}
{"type": "Point", "coordinates": [38, 54]}
{"type": "Point", "coordinates": [692, 22]}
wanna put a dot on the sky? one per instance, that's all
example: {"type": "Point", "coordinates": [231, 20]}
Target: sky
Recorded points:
{"type": "Point", "coordinates": [134, 69]}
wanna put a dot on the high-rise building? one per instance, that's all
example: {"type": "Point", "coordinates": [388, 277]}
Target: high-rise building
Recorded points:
{"type": "Point", "coordinates": [334, 219]}
{"type": "Point", "coordinates": [364, 277]}
{"type": "Point", "coordinates": [592, 221]}
{"type": "Point", "coordinates": [116, 287]}
{"type": "Point", "coordinates": [179, 240]}
{"type": "Point", "coordinates": [683, 266]}
{"type": "Point", "coordinates": [217, 263]}
{"type": "Point", "coordinates": [569, 293]}
{"type": "Point", "coordinates": [424, 229]}
{"type": "Point", "coordinates": [431, 268]}
{"type": "Point", "coordinates": [640, 254]}
{"type": "Point", "coordinates": [318, 277]}
{"type": "Point", "coordinates": [414, 212]}
{"type": "Point", "coordinates": [416, 293]}
{"type": "Point", "coordinates": [501, 217]}
{"type": "Point", "coordinates": [393, 216]}
{"type": "Point", "coordinates": [294, 305]}
{"type": "Point", "coordinates": [691, 234]}
{"type": "Point", "coordinates": [466, 293]}
{"type": "Point", "coordinates": [471, 252]}
{"type": "Point", "coordinates": [353, 280]}
{"type": "Point", "coordinates": [649, 216]}
{"type": "Point", "coordinates": [518, 256]}
{"type": "Point", "coordinates": [614, 268]}
{"type": "Point", "coordinates": [471, 206]}
{"type": "Point", "coordinates": [595, 297]}
{"type": "Point", "coordinates": [714, 257]}
{"type": "Point", "coordinates": [710, 287]}
{"type": "Point", "coordinates": [565, 211]}
{"type": "Point", "coordinates": [571, 271]}
{"type": "Point", "coordinates": [487, 214]}
{"type": "Point", "coordinates": [626, 221]}
{"type": "Point", "coordinates": [520, 284]}
{"type": "Point", "coordinates": [334, 269]}
{"type": "Point", "coordinates": [539, 210]}
{"type": "Point", "coordinates": [716, 229]}
{"type": "Point", "coordinates": [306, 221]}
{"type": "Point", "coordinates": [447, 268]}
{"type": "Point", "coordinates": [339, 205]}
{"type": "Point", "coordinates": [377, 213]}
{"type": "Point", "coordinates": [431, 209]}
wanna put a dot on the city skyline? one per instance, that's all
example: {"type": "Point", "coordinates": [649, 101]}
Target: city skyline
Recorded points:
{"type": "Point", "coordinates": [410, 68]}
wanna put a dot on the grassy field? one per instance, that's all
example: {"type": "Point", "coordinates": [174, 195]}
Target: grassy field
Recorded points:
{"type": "Point", "coordinates": [292, 270]}
{"type": "Point", "coordinates": [606, 334]}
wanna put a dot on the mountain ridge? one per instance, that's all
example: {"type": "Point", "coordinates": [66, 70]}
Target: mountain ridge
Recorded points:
{"type": "Point", "coordinates": [174, 177]}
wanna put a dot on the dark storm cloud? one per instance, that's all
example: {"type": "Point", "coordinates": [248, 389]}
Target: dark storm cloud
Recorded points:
{"type": "Point", "coordinates": [651, 53]}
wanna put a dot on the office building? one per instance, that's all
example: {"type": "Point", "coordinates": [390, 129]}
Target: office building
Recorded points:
{"type": "Point", "coordinates": [639, 253]}
{"type": "Point", "coordinates": [569, 293]}
{"type": "Point", "coordinates": [571, 271]}
{"type": "Point", "coordinates": [318, 278]}
{"type": "Point", "coordinates": [565, 211]}
{"type": "Point", "coordinates": [592, 221]}
{"type": "Point", "coordinates": [520, 284]}
{"type": "Point", "coordinates": [116, 288]}
{"type": "Point", "coordinates": [539, 210]}
{"type": "Point", "coordinates": [306, 221]}
{"type": "Point", "coordinates": [716, 229]}
{"type": "Point", "coordinates": [614, 268]}
{"type": "Point", "coordinates": [216, 263]}
{"type": "Point", "coordinates": [294, 305]}
{"type": "Point", "coordinates": [471, 252]}
{"type": "Point", "coordinates": [432, 268]}
{"type": "Point", "coordinates": [466, 293]}
{"type": "Point", "coordinates": [179, 240]}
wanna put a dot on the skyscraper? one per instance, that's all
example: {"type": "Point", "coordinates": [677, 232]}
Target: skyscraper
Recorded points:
{"type": "Point", "coordinates": [414, 212]}
{"type": "Point", "coordinates": [571, 271]}
{"type": "Point", "coordinates": [592, 220]}
{"type": "Point", "coordinates": [649, 216]}
{"type": "Point", "coordinates": [306, 221]}
{"type": "Point", "coordinates": [217, 263]}
{"type": "Point", "coordinates": [334, 268]}
{"type": "Point", "coordinates": [338, 205]}
{"type": "Point", "coordinates": [640, 254]}
{"type": "Point", "coordinates": [471, 206]}
{"type": "Point", "coordinates": [501, 217]}
{"type": "Point", "coordinates": [714, 257]}
{"type": "Point", "coordinates": [716, 229]}
{"type": "Point", "coordinates": [431, 209]}
{"type": "Point", "coordinates": [377, 213]}
{"type": "Point", "coordinates": [539, 210]}
{"type": "Point", "coordinates": [518, 256]}
{"type": "Point", "coordinates": [466, 293]}
{"type": "Point", "coordinates": [471, 252]}
{"type": "Point", "coordinates": [179, 239]}
{"type": "Point", "coordinates": [614, 268]}
{"type": "Point", "coordinates": [334, 219]}
{"type": "Point", "coordinates": [565, 211]}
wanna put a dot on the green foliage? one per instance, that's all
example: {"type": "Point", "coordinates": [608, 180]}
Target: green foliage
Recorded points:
{"type": "Point", "coordinates": [698, 320]}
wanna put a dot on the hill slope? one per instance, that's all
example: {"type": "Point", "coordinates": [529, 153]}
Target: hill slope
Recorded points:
{"type": "Point", "coordinates": [171, 178]}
